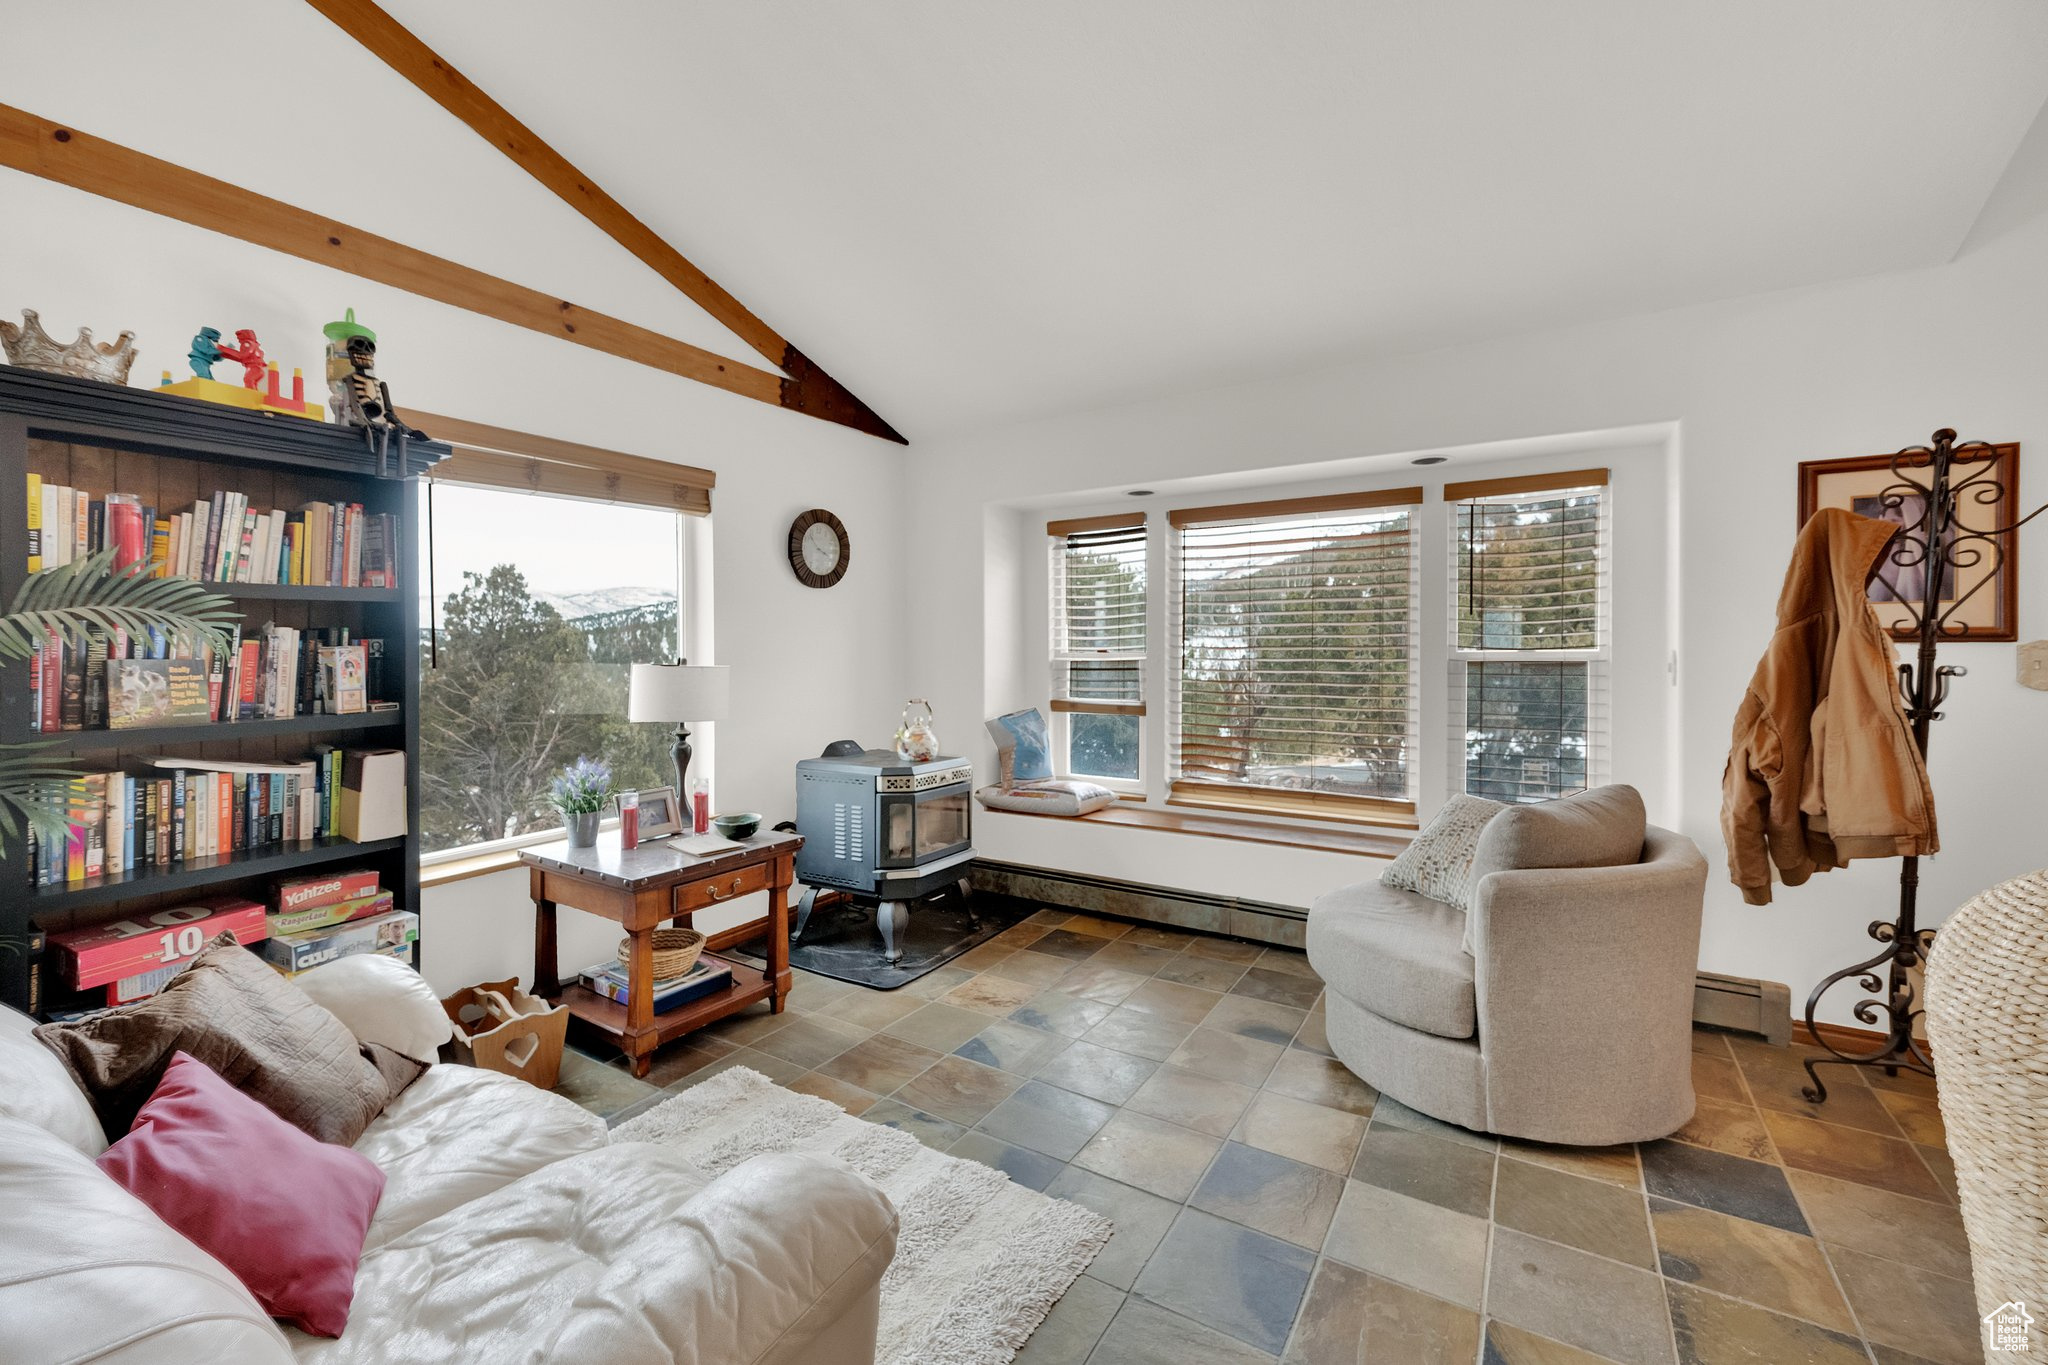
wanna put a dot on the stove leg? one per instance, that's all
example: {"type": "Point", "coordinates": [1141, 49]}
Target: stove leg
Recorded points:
{"type": "Point", "coordinates": [803, 912]}
{"type": "Point", "coordinates": [892, 918]}
{"type": "Point", "coordinates": [965, 889]}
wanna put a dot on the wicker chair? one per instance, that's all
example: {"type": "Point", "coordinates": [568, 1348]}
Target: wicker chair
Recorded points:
{"type": "Point", "coordinates": [1987, 1016]}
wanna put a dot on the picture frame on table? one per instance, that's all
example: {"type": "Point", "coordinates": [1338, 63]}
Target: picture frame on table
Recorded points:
{"type": "Point", "coordinates": [1981, 589]}
{"type": "Point", "coordinates": [660, 813]}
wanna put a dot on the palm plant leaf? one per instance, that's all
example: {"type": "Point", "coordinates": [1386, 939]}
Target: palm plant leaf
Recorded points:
{"type": "Point", "coordinates": [87, 593]}
{"type": "Point", "coordinates": [37, 788]}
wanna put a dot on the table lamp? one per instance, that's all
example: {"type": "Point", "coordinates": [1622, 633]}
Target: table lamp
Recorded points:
{"type": "Point", "coordinates": [679, 693]}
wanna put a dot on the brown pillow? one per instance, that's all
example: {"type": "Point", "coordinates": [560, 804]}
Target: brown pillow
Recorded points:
{"type": "Point", "coordinates": [257, 1030]}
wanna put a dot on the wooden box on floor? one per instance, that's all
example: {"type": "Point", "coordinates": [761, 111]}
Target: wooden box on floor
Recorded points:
{"type": "Point", "coordinates": [502, 1028]}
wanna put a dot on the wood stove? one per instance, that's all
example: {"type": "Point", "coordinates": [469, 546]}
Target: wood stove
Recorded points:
{"type": "Point", "coordinates": [881, 829]}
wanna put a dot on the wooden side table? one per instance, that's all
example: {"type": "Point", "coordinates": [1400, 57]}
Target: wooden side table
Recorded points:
{"type": "Point", "coordinates": [641, 890]}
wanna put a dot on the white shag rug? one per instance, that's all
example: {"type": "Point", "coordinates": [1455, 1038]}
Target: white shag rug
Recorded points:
{"type": "Point", "coordinates": [980, 1260]}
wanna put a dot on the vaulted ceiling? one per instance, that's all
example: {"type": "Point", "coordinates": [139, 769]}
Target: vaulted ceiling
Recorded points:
{"type": "Point", "coordinates": [976, 213]}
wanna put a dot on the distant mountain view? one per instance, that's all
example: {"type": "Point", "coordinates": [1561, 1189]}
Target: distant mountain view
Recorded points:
{"type": "Point", "coordinates": [574, 606]}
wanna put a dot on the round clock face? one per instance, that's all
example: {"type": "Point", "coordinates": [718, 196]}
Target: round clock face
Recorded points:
{"type": "Point", "coordinates": [818, 548]}
{"type": "Point", "coordinates": [821, 550]}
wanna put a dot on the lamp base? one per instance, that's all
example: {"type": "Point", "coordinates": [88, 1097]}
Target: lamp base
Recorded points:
{"type": "Point", "coordinates": [679, 754]}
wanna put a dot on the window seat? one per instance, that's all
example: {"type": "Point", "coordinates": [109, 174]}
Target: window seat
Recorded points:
{"type": "Point", "coordinates": [1325, 838]}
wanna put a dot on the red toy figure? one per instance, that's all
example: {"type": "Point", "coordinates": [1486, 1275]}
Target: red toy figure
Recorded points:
{"type": "Point", "coordinates": [249, 355]}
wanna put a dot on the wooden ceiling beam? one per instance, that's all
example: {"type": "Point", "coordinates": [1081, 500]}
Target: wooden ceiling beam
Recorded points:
{"type": "Point", "coordinates": [808, 389]}
{"type": "Point", "coordinates": [56, 152]}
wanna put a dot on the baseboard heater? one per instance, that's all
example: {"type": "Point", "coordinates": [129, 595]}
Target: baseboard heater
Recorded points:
{"type": "Point", "coordinates": [1730, 1002]}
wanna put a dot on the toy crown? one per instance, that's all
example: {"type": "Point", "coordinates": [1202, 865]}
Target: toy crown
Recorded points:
{"type": "Point", "coordinates": [30, 347]}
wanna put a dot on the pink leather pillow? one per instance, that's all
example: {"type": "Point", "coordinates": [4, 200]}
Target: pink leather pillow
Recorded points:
{"type": "Point", "coordinates": [285, 1212]}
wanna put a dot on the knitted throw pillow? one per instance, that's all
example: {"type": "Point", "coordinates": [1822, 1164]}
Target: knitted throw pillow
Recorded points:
{"type": "Point", "coordinates": [1439, 862]}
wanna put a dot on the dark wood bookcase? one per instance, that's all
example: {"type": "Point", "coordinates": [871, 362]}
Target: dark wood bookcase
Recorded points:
{"type": "Point", "coordinates": [172, 451]}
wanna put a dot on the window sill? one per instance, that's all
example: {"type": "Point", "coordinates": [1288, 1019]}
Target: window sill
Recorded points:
{"type": "Point", "coordinates": [462, 869]}
{"type": "Point", "coordinates": [1322, 837]}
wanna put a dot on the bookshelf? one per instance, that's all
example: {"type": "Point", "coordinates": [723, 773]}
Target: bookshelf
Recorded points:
{"type": "Point", "coordinates": [172, 451]}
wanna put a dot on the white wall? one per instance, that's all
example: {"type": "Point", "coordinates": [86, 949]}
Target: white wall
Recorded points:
{"type": "Point", "coordinates": [808, 666]}
{"type": "Point", "coordinates": [1752, 387]}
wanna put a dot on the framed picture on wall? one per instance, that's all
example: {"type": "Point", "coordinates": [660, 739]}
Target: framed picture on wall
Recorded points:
{"type": "Point", "coordinates": [1976, 583]}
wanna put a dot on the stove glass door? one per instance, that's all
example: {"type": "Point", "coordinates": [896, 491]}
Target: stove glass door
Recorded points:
{"type": "Point", "coordinates": [925, 827]}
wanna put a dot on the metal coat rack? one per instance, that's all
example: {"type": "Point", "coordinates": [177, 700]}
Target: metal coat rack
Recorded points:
{"type": "Point", "coordinates": [1945, 546]}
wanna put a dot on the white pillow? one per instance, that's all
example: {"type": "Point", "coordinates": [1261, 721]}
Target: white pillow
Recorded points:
{"type": "Point", "coordinates": [1439, 862]}
{"type": "Point", "coordinates": [1059, 796]}
{"type": "Point", "coordinates": [382, 1001]}
{"type": "Point", "coordinates": [35, 1088]}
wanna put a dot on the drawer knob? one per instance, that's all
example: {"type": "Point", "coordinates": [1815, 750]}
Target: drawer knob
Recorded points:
{"type": "Point", "coordinates": [729, 893]}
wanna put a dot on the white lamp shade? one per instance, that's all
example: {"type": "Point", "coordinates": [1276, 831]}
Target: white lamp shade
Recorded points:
{"type": "Point", "coordinates": [679, 693]}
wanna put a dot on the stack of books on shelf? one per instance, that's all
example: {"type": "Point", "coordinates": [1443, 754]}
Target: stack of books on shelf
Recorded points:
{"type": "Point", "coordinates": [182, 809]}
{"type": "Point", "coordinates": [103, 679]}
{"type": "Point", "coordinates": [223, 539]}
{"type": "Point", "coordinates": [315, 920]}
{"type": "Point", "coordinates": [707, 975]}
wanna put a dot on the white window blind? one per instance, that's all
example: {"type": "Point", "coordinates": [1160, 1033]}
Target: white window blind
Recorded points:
{"type": "Point", "coordinates": [1529, 709]}
{"type": "Point", "coordinates": [1295, 684]}
{"type": "Point", "coordinates": [1098, 642]}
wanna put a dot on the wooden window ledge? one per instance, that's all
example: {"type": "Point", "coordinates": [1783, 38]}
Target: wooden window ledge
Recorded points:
{"type": "Point", "coordinates": [462, 869]}
{"type": "Point", "coordinates": [1322, 837]}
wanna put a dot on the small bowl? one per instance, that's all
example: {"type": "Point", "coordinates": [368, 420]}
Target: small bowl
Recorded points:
{"type": "Point", "coordinates": [737, 826]}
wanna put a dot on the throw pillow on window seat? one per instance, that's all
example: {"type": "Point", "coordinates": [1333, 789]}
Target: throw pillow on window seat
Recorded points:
{"type": "Point", "coordinates": [1062, 796]}
{"type": "Point", "coordinates": [286, 1214]}
{"type": "Point", "coordinates": [230, 1010]}
{"type": "Point", "coordinates": [1023, 748]}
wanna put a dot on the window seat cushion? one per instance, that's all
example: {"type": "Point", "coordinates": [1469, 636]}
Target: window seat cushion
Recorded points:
{"type": "Point", "coordinates": [1059, 796]}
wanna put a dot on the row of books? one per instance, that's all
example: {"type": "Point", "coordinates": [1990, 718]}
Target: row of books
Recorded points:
{"type": "Point", "coordinates": [708, 974]}
{"type": "Point", "coordinates": [103, 679]}
{"type": "Point", "coordinates": [223, 539]}
{"type": "Point", "coordinates": [184, 809]}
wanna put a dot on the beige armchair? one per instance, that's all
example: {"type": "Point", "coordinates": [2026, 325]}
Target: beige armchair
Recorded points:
{"type": "Point", "coordinates": [1571, 1019]}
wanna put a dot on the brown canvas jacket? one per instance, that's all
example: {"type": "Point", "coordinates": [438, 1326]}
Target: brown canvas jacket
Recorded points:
{"type": "Point", "coordinates": [1823, 767]}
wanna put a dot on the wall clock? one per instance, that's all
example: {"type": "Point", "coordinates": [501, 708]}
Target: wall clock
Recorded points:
{"type": "Point", "coordinates": [818, 548]}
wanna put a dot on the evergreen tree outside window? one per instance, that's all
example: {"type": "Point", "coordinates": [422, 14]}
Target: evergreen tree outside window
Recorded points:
{"type": "Point", "coordinates": [1529, 710]}
{"type": "Point", "coordinates": [1296, 678]}
{"type": "Point", "coordinates": [1099, 606]}
{"type": "Point", "coordinates": [544, 604]}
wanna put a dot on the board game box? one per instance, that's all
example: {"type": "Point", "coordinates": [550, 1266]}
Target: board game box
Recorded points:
{"type": "Point", "coordinates": [299, 952]}
{"type": "Point", "coordinates": [130, 947]}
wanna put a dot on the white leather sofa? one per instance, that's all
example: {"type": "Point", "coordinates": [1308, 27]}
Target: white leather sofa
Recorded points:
{"type": "Point", "coordinates": [510, 1230]}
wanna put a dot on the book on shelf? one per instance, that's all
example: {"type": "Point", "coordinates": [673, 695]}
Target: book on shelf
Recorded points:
{"type": "Point", "coordinates": [221, 538]}
{"type": "Point", "coordinates": [101, 678]}
{"type": "Point", "coordinates": [706, 976]}
{"type": "Point", "coordinates": [176, 810]}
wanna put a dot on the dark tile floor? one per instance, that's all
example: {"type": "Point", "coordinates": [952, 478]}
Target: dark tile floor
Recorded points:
{"type": "Point", "coordinates": [1270, 1206]}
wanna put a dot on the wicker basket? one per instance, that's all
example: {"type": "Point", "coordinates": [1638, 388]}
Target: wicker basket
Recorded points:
{"type": "Point", "coordinates": [675, 952]}
{"type": "Point", "coordinates": [1987, 1017]}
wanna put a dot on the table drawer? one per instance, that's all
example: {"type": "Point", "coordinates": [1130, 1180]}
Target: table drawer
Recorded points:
{"type": "Point", "coordinates": [724, 887]}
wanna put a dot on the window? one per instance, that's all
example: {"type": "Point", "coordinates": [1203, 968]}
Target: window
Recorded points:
{"type": "Point", "coordinates": [542, 603]}
{"type": "Point", "coordinates": [1098, 644]}
{"type": "Point", "coordinates": [1295, 684]}
{"type": "Point", "coordinates": [1529, 636]}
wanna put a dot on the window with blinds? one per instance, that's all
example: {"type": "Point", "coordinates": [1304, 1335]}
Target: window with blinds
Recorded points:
{"type": "Point", "coordinates": [1529, 711]}
{"type": "Point", "coordinates": [1098, 643]}
{"type": "Point", "coordinates": [1295, 681]}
